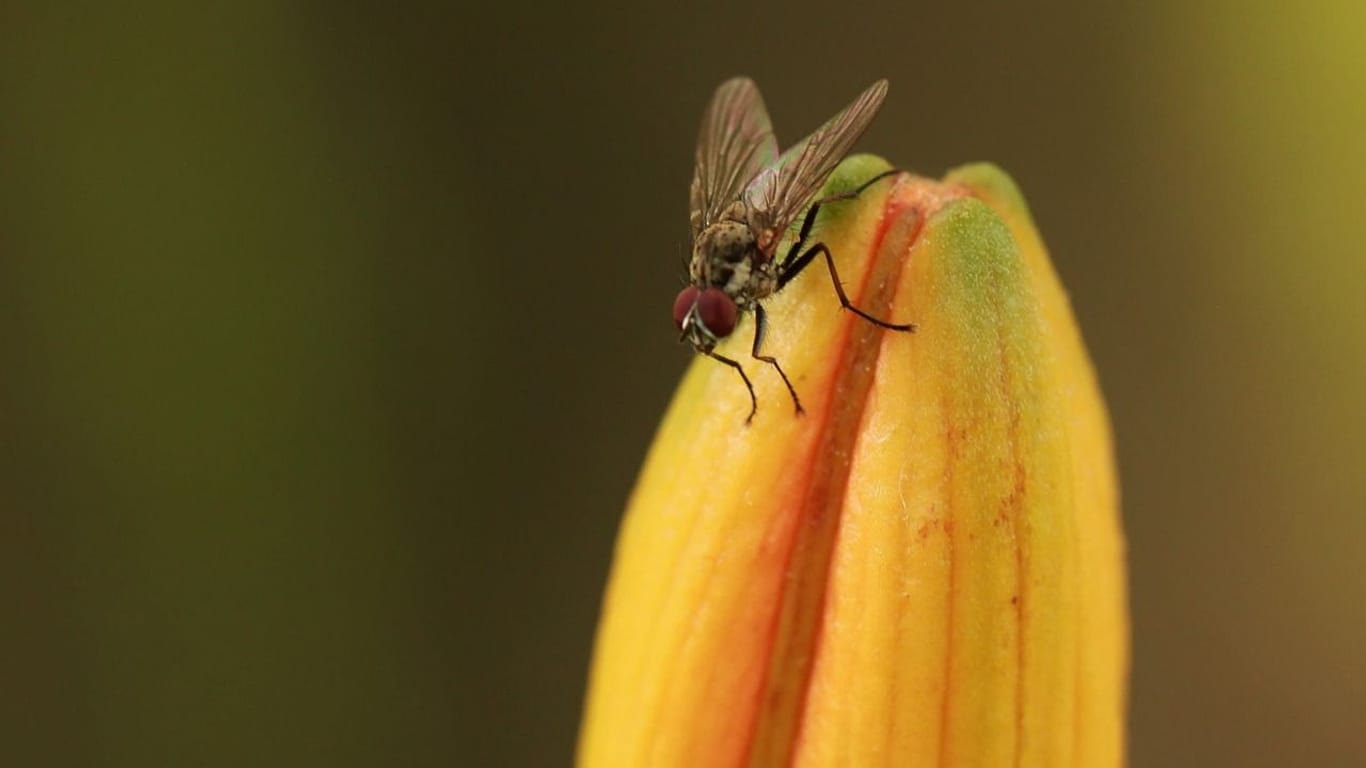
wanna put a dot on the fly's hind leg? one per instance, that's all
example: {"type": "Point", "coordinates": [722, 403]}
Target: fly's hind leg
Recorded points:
{"type": "Point", "coordinates": [794, 263]}
{"type": "Point", "coordinates": [810, 220]}
{"type": "Point", "coordinates": [820, 249]}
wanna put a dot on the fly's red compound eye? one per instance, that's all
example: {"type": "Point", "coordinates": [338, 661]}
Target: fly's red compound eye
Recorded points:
{"type": "Point", "coordinates": [717, 312]}
{"type": "Point", "coordinates": [683, 305]}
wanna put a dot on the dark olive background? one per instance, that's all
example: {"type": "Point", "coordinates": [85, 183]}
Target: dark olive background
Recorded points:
{"type": "Point", "coordinates": [332, 335]}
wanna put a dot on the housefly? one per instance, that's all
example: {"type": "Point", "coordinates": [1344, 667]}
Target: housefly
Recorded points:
{"type": "Point", "coordinates": [744, 197]}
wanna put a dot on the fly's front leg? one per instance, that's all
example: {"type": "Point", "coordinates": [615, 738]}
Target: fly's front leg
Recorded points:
{"type": "Point", "coordinates": [761, 327]}
{"type": "Point", "coordinates": [753, 401]}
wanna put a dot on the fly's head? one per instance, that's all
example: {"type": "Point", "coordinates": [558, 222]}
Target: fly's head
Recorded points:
{"type": "Point", "coordinates": [704, 316]}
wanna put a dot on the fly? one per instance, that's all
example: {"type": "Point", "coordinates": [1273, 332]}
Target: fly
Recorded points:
{"type": "Point", "coordinates": [744, 197]}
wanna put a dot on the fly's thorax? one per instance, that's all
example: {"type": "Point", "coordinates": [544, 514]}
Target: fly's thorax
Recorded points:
{"type": "Point", "coordinates": [725, 242]}
{"type": "Point", "coordinates": [724, 256]}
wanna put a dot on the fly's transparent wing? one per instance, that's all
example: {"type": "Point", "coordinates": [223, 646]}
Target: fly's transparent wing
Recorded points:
{"type": "Point", "coordinates": [735, 143]}
{"type": "Point", "coordinates": [782, 191]}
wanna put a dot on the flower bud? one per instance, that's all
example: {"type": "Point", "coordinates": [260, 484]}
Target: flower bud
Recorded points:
{"type": "Point", "coordinates": [924, 569]}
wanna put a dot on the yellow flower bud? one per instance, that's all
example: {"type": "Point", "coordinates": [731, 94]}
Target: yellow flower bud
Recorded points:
{"type": "Point", "coordinates": [924, 569]}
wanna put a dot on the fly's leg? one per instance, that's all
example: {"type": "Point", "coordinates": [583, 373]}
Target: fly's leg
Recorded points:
{"type": "Point", "coordinates": [794, 264]}
{"type": "Point", "coordinates": [855, 192]}
{"type": "Point", "coordinates": [760, 327]}
{"type": "Point", "coordinates": [819, 249]}
{"type": "Point", "coordinates": [753, 401]}
{"type": "Point", "coordinates": [810, 220]}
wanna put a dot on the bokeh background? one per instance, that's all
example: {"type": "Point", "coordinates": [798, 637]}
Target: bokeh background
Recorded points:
{"type": "Point", "coordinates": [332, 336]}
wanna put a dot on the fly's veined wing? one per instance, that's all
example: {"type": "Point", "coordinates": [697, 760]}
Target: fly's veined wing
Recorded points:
{"type": "Point", "coordinates": [735, 143]}
{"type": "Point", "coordinates": [779, 194]}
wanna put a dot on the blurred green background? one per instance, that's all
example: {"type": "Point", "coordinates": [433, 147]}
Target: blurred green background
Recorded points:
{"type": "Point", "coordinates": [332, 335]}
